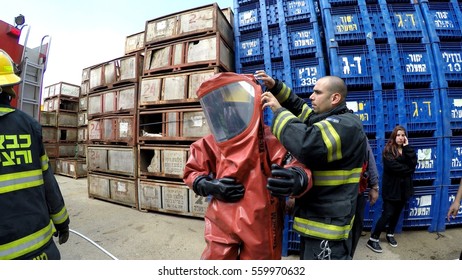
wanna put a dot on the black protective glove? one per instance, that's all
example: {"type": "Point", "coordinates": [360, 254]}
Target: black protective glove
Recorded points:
{"type": "Point", "coordinates": [224, 189]}
{"type": "Point", "coordinates": [286, 181]}
{"type": "Point", "coordinates": [63, 235]}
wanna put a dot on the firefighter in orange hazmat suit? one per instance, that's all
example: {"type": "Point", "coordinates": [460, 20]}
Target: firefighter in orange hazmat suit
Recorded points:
{"type": "Point", "coordinates": [244, 169]}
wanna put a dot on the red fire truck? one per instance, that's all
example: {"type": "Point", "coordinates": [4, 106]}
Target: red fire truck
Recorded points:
{"type": "Point", "coordinates": [31, 61]}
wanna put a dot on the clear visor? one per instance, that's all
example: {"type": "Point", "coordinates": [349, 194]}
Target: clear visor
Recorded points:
{"type": "Point", "coordinates": [229, 109]}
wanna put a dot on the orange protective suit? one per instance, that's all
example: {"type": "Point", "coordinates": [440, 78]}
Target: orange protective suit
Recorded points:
{"type": "Point", "coordinates": [250, 228]}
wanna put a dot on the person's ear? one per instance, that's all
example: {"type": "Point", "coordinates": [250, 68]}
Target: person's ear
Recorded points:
{"type": "Point", "coordinates": [336, 98]}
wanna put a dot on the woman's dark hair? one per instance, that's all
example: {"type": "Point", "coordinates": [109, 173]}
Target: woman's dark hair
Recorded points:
{"type": "Point", "coordinates": [391, 148]}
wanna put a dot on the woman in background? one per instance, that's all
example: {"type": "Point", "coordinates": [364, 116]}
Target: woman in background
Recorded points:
{"type": "Point", "coordinates": [399, 163]}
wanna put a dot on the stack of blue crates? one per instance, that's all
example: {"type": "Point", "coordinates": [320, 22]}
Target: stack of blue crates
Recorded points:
{"type": "Point", "coordinates": [402, 63]}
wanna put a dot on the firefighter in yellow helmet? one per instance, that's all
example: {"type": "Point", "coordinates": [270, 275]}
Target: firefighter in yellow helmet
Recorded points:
{"type": "Point", "coordinates": [32, 207]}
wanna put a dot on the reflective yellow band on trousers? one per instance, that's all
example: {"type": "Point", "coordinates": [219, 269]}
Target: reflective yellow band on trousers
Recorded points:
{"type": "Point", "coordinates": [26, 244]}
{"type": "Point", "coordinates": [336, 177]}
{"type": "Point", "coordinates": [321, 230]}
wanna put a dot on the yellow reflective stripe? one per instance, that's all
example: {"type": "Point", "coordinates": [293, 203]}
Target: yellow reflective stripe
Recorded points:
{"type": "Point", "coordinates": [284, 94]}
{"type": "Point", "coordinates": [6, 110]}
{"type": "Point", "coordinates": [26, 244]}
{"type": "Point", "coordinates": [306, 110]}
{"type": "Point", "coordinates": [280, 121]}
{"type": "Point", "coordinates": [60, 217]}
{"type": "Point", "coordinates": [336, 177]}
{"type": "Point", "coordinates": [322, 230]}
{"type": "Point", "coordinates": [331, 139]}
{"type": "Point", "coordinates": [44, 161]}
{"type": "Point", "coordinates": [20, 180]}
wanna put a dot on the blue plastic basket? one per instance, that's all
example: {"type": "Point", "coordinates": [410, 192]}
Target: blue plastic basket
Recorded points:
{"type": "Point", "coordinates": [290, 239]}
{"type": "Point", "coordinates": [416, 64]}
{"type": "Point", "coordinates": [305, 72]}
{"type": "Point", "coordinates": [421, 110]}
{"type": "Point", "coordinates": [363, 105]}
{"type": "Point", "coordinates": [303, 39]}
{"type": "Point", "coordinates": [442, 20]}
{"type": "Point", "coordinates": [272, 12]}
{"type": "Point", "coordinates": [354, 66]}
{"type": "Point", "coordinates": [379, 31]}
{"type": "Point", "coordinates": [249, 17]}
{"type": "Point", "coordinates": [251, 68]}
{"type": "Point", "coordinates": [448, 196]}
{"type": "Point", "coordinates": [427, 151]}
{"type": "Point", "coordinates": [390, 109]}
{"type": "Point", "coordinates": [454, 159]}
{"type": "Point", "coordinates": [454, 99]}
{"type": "Point", "coordinates": [406, 21]}
{"type": "Point", "coordinates": [250, 47]}
{"type": "Point", "coordinates": [348, 25]}
{"type": "Point", "coordinates": [386, 65]}
{"type": "Point", "coordinates": [450, 56]}
{"type": "Point", "coordinates": [276, 42]}
{"type": "Point", "coordinates": [423, 208]}
{"type": "Point", "coordinates": [298, 11]}
{"type": "Point", "coordinates": [342, 2]}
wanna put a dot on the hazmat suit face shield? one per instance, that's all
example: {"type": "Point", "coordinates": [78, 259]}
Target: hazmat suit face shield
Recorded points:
{"type": "Point", "coordinates": [229, 109]}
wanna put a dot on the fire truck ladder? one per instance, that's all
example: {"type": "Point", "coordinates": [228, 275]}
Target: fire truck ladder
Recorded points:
{"type": "Point", "coordinates": [34, 64]}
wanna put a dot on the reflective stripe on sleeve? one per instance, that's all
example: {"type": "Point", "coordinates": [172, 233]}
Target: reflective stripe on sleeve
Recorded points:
{"type": "Point", "coordinates": [60, 217]}
{"type": "Point", "coordinates": [280, 121]}
{"type": "Point", "coordinates": [331, 140]}
{"type": "Point", "coordinates": [20, 180]}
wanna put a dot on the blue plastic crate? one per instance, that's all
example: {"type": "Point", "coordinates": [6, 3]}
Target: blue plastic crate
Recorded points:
{"type": "Point", "coordinates": [416, 64]}
{"type": "Point", "coordinates": [442, 21]}
{"type": "Point", "coordinates": [244, 2]}
{"type": "Point", "coordinates": [250, 47]}
{"type": "Point", "coordinates": [390, 109]}
{"type": "Point", "coordinates": [276, 42]}
{"type": "Point", "coordinates": [251, 68]}
{"type": "Point", "coordinates": [449, 54]}
{"type": "Point", "coordinates": [363, 105]}
{"type": "Point", "coordinates": [272, 12]}
{"type": "Point", "coordinates": [290, 238]}
{"type": "Point", "coordinates": [406, 21]}
{"type": "Point", "coordinates": [353, 64]}
{"type": "Point", "coordinates": [422, 106]}
{"type": "Point", "coordinates": [454, 159]}
{"type": "Point", "coordinates": [249, 17]}
{"type": "Point", "coordinates": [342, 2]}
{"type": "Point", "coordinates": [386, 65]}
{"type": "Point", "coordinates": [303, 40]}
{"type": "Point", "coordinates": [305, 72]}
{"type": "Point", "coordinates": [454, 98]}
{"type": "Point", "coordinates": [423, 208]}
{"type": "Point", "coordinates": [348, 25]}
{"type": "Point", "coordinates": [448, 196]}
{"type": "Point", "coordinates": [299, 10]}
{"type": "Point", "coordinates": [379, 31]}
{"type": "Point", "coordinates": [427, 151]}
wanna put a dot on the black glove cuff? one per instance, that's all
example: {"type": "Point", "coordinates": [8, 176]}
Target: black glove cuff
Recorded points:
{"type": "Point", "coordinates": [197, 190]}
{"type": "Point", "coordinates": [300, 188]}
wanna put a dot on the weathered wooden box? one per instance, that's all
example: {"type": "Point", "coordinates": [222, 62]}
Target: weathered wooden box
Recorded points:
{"type": "Point", "coordinates": [82, 134]}
{"type": "Point", "coordinates": [150, 195]}
{"type": "Point", "coordinates": [175, 197]}
{"type": "Point", "coordinates": [82, 150]}
{"type": "Point", "coordinates": [62, 89]}
{"type": "Point", "coordinates": [193, 22]}
{"type": "Point", "coordinates": [75, 168]}
{"type": "Point", "coordinates": [134, 42]}
{"type": "Point", "coordinates": [175, 123]}
{"type": "Point", "coordinates": [113, 188]}
{"type": "Point", "coordinates": [113, 129]}
{"type": "Point", "coordinates": [175, 87]}
{"type": "Point", "coordinates": [197, 204]}
{"type": "Point", "coordinates": [121, 100]}
{"type": "Point", "coordinates": [83, 103]}
{"type": "Point", "coordinates": [56, 150]}
{"type": "Point", "coordinates": [82, 118]}
{"type": "Point", "coordinates": [61, 104]}
{"type": "Point", "coordinates": [207, 51]}
{"type": "Point", "coordinates": [163, 161]}
{"type": "Point", "coordinates": [112, 159]}
{"type": "Point", "coordinates": [63, 119]}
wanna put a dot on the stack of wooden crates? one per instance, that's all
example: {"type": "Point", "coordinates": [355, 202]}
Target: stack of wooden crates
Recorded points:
{"type": "Point", "coordinates": [144, 113]}
{"type": "Point", "coordinates": [59, 120]}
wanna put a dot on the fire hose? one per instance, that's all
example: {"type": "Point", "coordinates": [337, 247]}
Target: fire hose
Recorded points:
{"type": "Point", "coordinates": [94, 243]}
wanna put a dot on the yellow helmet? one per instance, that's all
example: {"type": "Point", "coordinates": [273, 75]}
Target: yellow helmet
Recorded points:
{"type": "Point", "coordinates": [7, 76]}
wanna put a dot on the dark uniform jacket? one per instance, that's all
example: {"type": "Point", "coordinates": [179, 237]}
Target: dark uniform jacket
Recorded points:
{"type": "Point", "coordinates": [397, 175]}
{"type": "Point", "coordinates": [333, 145]}
{"type": "Point", "coordinates": [31, 204]}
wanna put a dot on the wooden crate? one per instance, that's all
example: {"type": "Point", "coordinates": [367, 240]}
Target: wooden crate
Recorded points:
{"type": "Point", "coordinates": [75, 168]}
{"type": "Point", "coordinates": [134, 42]}
{"type": "Point", "coordinates": [59, 134]}
{"type": "Point", "coordinates": [112, 159]}
{"type": "Point", "coordinates": [116, 101]}
{"type": "Point", "coordinates": [189, 23]}
{"type": "Point", "coordinates": [197, 204]}
{"type": "Point", "coordinates": [149, 195]}
{"type": "Point", "coordinates": [49, 134]}
{"type": "Point", "coordinates": [86, 74]}
{"type": "Point", "coordinates": [113, 188]}
{"type": "Point", "coordinates": [174, 87]}
{"type": "Point", "coordinates": [82, 118]}
{"type": "Point", "coordinates": [62, 89]}
{"type": "Point", "coordinates": [82, 134]}
{"type": "Point", "coordinates": [175, 198]}
{"type": "Point", "coordinates": [82, 150]}
{"type": "Point", "coordinates": [85, 88]}
{"type": "Point", "coordinates": [207, 51]}
{"type": "Point", "coordinates": [114, 129]}
{"type": "Point", "coordinates": [116, 72]}
{"type": "Point", "coordinates": [162, 160]}
{"type": "Point", "coordinates": [83, 103]}
{"type": "Point", "coordinates": [62, 119]}
{"type": "Point", "coordinates": [56, 150]}
{"type": "Point", "coordinates": [175, 123]}
{"type": "Point", "coordinates": [61, 104]}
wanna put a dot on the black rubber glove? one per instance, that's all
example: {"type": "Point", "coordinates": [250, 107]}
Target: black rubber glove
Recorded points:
{"type": "Point", "coordinates": [63, 235]}
{"type": "Point", "coordinates": [224, 189]}
{"type": "Point", "coordinates": [286, 181]}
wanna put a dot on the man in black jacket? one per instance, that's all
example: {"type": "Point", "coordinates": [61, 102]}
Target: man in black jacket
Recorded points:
{"type": "Point", "coordinates": [329, 139]}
